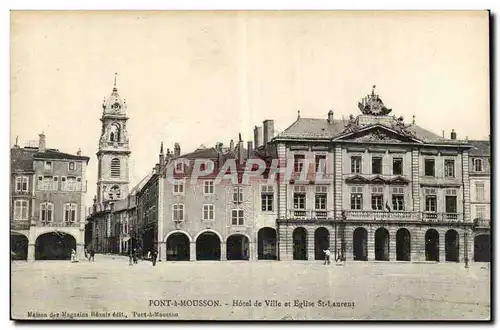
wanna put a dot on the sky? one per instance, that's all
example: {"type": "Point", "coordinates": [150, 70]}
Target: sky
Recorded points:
{"type": "Point", "coordinates": [202, 77]}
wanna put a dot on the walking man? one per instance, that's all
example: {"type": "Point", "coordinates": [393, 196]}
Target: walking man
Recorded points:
{"type": "Point", "coordinates": [91, 254]}
{"type": "Point", "coordinates": [134, 256]}
{"type": "Point", "coordinates": [154, 255]}
{"type": "Point", "coordinates": [327, 256]}
{"type": "Point", "coordinates": [130, 256]}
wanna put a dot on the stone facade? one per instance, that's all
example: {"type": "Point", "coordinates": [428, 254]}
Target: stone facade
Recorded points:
{"type": "Point", "coordinates": [52, 185]}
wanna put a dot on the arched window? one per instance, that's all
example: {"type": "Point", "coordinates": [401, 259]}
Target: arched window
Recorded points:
{"type": "Point", "coordinates": [114, 193]}
{"type": "Point", "coordinates": [114, 135]}
{"type": "Point", "coordinates": [46, 212]}
{"type": "Point", "coordinates": [115, 167]}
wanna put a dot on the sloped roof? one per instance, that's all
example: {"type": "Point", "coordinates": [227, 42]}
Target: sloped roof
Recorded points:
{"type": "Point", "coordinates": [141, 184]}
{"type": "Point", "coordinates": [313, 127]}
{"type": "Point", "coordinates": [480, 148]}
{"type": "Point", "coordinates": [21, 159]}
{"type": "Point", "coordinates": [321, 128]}
{"type": "Point", "coordinates": [54, 154]}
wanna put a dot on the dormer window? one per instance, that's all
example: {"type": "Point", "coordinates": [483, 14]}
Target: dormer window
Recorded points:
{"type": "Point", "coordinates": [478, 165]}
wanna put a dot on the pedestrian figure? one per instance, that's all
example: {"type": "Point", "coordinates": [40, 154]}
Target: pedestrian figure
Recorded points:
{"type": "Point", "coordinates": [91, 254]}
{"type": "Point", "coordinates": [86, 252]}
{"type": "Point", "coordinates": [327, 256]}
{"type": "Point", "coordinates": [130, 257]}
{"type": "Point", "coordinates": [73, 255]}
{"type": "Point", "coordinates": [154, 255]}
{"type": "Point", "coordinates": [135, 256]}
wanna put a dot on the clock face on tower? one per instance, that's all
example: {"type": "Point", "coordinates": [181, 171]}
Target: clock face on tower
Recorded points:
{"type": "Point", "coordinates": [116, 106]}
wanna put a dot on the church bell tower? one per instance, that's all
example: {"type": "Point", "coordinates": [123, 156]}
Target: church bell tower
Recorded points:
{"type": "Point", "coordinates": [114, 151]}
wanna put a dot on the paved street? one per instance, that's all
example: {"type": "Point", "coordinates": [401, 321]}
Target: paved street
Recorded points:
{"type": "Point", "coordinates": [379, 290]}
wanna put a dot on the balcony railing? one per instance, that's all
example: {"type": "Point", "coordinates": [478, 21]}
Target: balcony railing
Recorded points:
{"type": "Point", "coordinates": [20, 225]}
{"type": "Point", "coordinates": [58, 224]}
{"type": "Point", "coordinates": [442, 217]}
{"type": "Point", "coordinates": [380, 215]}
{"type": "Point", "coordinates": [310, 214]}
{"type": "Point", "coordinates": [402, 215]}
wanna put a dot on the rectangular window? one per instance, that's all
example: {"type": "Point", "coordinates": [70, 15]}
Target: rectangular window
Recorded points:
{"type": "Point", "coordinates": [430, 200]}
{"type": "Point", "coordinates": [21, 210]}
{"type": "Point", "coordinates": [178, 187]}
{"type": "Point", "coordinates": [449, 168]}
{"type": "Point", "coordinates": [267, 197]}
{"type": "Point", "coordinates": [429, 167]}
{"type": "Point", "coordinates": [48, 166]}
{"type": "Point", "coordinates": [208, 212]}
{"type": "Point", "coordinates": [478, 164]}
{"type": "Point", "coordinates": [480, 211]}
{"type": "Point", "coordinates": [299, 197]}
{"type": "Point", "coordinates": [320, 163]}
{"type": "Point", "coordinates": [70, 212]}
{"type": "Point", "coordinates": [398, 199]}
{"type": "Point", "coordinates": [237, 218]}
{"type": "Point", "coordinates": [238, 194]}
{"type": "Point", "coordinates": [397, 166]}
{"type": "Point", "coordinates": [71, 183]}
{"type": "Point", "coordinates": [298, 163]}
{"type": "Point", "coordinates": [377, 198]}
{"type": "Point", "coordinates": [320, 201]}
{"type": "Point", "coordinates": [377, 165]}
{"type": "Point", "coordinates": [356, 198]}
{"type": "Point", "coordinates": [178, 212]}
{"type": "Point", "coordinates": [179, 167]}
{"type": "Point", "coordinates": [356, 164]}
{"type": "Point", "coordinates": [479, 191]}
{"type": "Point", "coordinates": [208, 187]}
{"type": "Point", "coordinates": [321, 197]}
{"type": "Point", "coordinates": [22, 184]}
{"type": "Point", "coordinates": [46, 212]}
{"type": "Point", "coordinates": [71, 166]}
{"type": "Point", "coordinates": [451, 201]}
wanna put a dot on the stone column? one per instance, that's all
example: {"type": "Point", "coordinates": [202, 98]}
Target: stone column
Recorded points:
{"type": "Point", "coordinates": [310, 244]}
{"type": "Point", "coordinates": [192, 251]}
{"type": "Point", "coordinates": [371, 244]}
{"type": "Point", "coordinates": [442, 248]}
{"type": "Point", "coordinates": [392, 247]}
{"type": "Point", "coordinates": [251, 250]}
{"type": "Point", "coordinates": [223, 251]}
{"type": "Point", "coordinates": [162, 251]}
{"type": "Point", "coordinates": [80, 253]}
{"type": "Point", "coordinates": [31, 252]}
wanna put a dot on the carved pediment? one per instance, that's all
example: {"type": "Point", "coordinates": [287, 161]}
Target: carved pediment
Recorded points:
{"type": "Point", "coordinates": [377, 134]}
{"type": "Point", "coordinates": [399, 180]}
{"type": "Point", "coordinates": [377, 179]}
{"type": "Point", "coordinates": [356, 179]}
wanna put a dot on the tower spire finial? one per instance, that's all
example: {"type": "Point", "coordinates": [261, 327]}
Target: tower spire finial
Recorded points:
{"type": "Point", "coordinates": [116, 73]}
{"type": "Point", "coordinates": [373, 89]}
{"type": "Point", "coordinates": [298, 114]}
{"type": "Point", "coordinates": [161, 148]}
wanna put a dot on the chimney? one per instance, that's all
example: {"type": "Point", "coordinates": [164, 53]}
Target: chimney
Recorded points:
{"type": "Point", "coordinates": [231, 145]}
{"type": "Point", "coordinates": [41, 143]}
{"type": "Point", "coordinates": [268, 130]}
{"type": "Point", "coordinates": [249, 149]}
{"type": "Point", "coordinates": [177, 149]}
{"type": "Point", "coordinates": [241, 151]}
{"type": "Point", "coordinates": [330, 117]}
{"type": "Point", "coordinates": [453, 135]}
{"type": "Point", "coordinates": [79, 152]}
{"type": "Point", "coordinates": [257, 136]}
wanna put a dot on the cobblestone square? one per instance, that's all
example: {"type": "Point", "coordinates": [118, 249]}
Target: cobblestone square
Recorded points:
{"type": "Point", "coordinates": [379, 290]}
